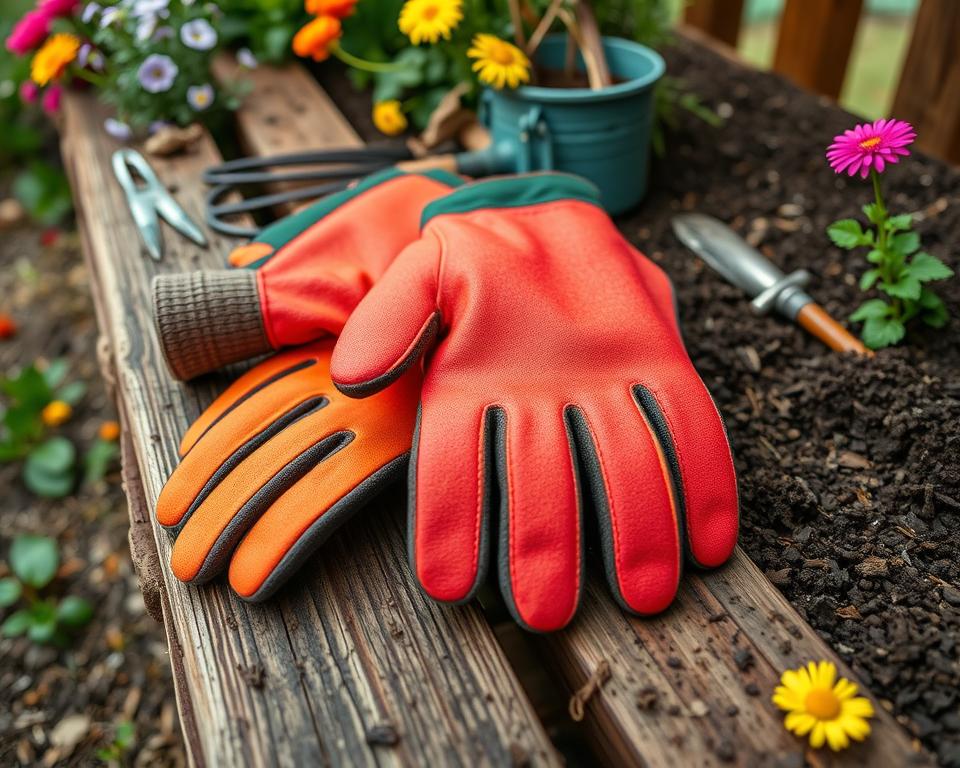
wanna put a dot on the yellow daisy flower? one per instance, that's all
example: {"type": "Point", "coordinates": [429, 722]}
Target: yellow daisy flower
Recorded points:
{"type": "Point", "coordinates": [389, 118]}
{"type": "Point", "coordinates": [50, 61]}
{"type": "Point", "coordinates": [823, 706]}
{"type": "Point", "coordinates": [499, 63]}
{"type": "Point", "coordinates": [426, 21]}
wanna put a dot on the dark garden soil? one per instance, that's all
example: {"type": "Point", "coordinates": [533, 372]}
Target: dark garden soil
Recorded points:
{"type": "Point", "coordinates": [59, 707]}
{"type": "Point", "coordinates": [849, 468]}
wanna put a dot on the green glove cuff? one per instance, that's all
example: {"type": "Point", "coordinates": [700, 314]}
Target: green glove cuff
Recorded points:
{"type": "Point", "coordinates": [206, 320]}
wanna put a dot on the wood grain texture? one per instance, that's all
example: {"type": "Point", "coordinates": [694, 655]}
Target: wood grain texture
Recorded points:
{"type": "Point", "coordinates": [721, 19]}
{"type": "Point", "coordinates": [814, 44]}
{"type": "Point", "coordinates": [929, 91]}
{"type": "Point", "coordinates": [350, 666]}
{"type": "Point", "coordinates": [692, 686]}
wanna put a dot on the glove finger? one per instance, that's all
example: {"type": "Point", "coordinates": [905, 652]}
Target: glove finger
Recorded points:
{"type": "Point", "coordinates": [233, 500]}
{"type": "Point", "coordinates": [700, 461]}
{"type": "Point", "coordinates": [448, 529]}
{"type": "Point", "coordinates": [623, 465]}
{"type": "Point", "coordinates": [253, 422]}
{"type": "Point", "coordinates": [304, 517]}
{"type": "Point", "coordinates": [268, 373]}
{"type": "Point", "coordinates": [540, 548]}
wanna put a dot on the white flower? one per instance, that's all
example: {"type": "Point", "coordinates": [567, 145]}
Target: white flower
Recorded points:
{"type": "Point", "coordinates": [200, 97]}
{"type": "Point", "coordinates": [246, 58]}
{"type": "Point", "coordinates": [149, 7]}
{"type": "Point", "coordinates": [199, 35]}
{"type": "Point", "coordinates": [146, 26]}
{"type": "Point", "coordinates": [110, 15]}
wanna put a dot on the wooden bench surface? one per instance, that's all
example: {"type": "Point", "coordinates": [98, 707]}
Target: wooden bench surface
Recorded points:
{"type": "Point", "coordinates": [352, 664]}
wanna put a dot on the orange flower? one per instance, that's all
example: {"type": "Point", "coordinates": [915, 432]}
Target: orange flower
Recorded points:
{"type": "Point", "coordinates": [338, 8]}
{"type": "Point", "coordinates": [317, 38]}
{"type": "Point", "coordinates": [8, 328]}
{"type": "Point", "coordinates": [56, 413]}
{"type": "Point", "coordinates": [109, 431]}
{"type": "Point", "coordinates": [53, 58]}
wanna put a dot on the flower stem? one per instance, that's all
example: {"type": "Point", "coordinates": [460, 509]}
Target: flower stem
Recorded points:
{"type": "Point", "coordinates": [97, 81]}
{"type": "Point", "coordinates": [367, 66]}
{"type": "Point", "coordinates": [886, 265]}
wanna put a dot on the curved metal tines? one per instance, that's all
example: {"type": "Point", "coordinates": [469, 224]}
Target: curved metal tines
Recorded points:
{"type": "Point", "coordinates": [343, 163]}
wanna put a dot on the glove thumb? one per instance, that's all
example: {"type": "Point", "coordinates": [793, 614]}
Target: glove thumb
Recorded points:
{"type": "Point", "coordinates": [396, 321]}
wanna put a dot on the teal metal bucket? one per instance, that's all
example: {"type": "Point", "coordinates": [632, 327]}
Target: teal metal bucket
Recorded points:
{"type": "Point", "coordinates": [603, 135]}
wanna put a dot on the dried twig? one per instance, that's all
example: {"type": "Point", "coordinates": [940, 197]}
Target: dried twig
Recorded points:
{"type": "Point", "coordinates": [517, 21]}
{"type": "Point", "coordinates": [543, 27]}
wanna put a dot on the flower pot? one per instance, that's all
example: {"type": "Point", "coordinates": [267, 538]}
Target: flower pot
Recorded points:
{"type": "Point", "coordinates": [603, 135]}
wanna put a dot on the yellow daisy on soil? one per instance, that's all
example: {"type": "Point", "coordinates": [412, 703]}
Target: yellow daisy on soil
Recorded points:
{"type": "Point", "coordinates": [50, 61]}
{"type": "Point", "coordinates": [426, 21]}
{"type": "Point", "coordinates": [389, 118]}
{"type": "Point", "coordinates": [499, 63]}
{"type": "Point", "coordinates": [820, 704]}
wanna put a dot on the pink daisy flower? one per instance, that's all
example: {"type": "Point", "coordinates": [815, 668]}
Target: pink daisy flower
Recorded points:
{"type": "Point", "coordinates": [870, 146]}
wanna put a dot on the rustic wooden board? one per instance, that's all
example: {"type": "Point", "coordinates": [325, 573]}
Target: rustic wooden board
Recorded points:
{"type": "Point", "coordinates": [721, 19]}
{"type": "Point", "coordinates": [816, 37]}
{"type": "Point", "coordinates": [637, 650]}
{"type": "Point", "coordinates": [350, 666]}
{"type": "Point", "coordinates": [929, 91]}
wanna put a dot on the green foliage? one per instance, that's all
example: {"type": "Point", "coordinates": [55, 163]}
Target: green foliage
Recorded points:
{"type": "Point", "coordinates": [49, 467]}
{"type": "Point", "coordinates": [901, 272]}
{"type": "Point", "coordinates": [44, 192]}
{"type": "Point", "coordinates": [34, 561]}
{"type": "Point", "coordinates": [123, 738]}
{"type": "Point", "coordinates": [266, 27]}
{"type": "Point", "coordinates": [98, 459]}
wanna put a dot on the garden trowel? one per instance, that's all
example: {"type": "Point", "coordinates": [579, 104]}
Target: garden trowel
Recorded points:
{"type": "Point", "coordinates": [769, 288]}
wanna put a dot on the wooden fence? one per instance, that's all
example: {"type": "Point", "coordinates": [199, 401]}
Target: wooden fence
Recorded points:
{"type": "Point", "coordinates": [813, 50]}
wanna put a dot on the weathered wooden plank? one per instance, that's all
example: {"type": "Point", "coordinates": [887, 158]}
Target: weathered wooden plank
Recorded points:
{"type": "Point", "coordinates": [692, 687]}
{"type": "Point", "coordinates": [721, 19]}
{"type": "Point", "coordinates": [353, 665]}
{"type": "Point", "coordinates": [815, 40]}
{"type": "Point", "coordinates": [929, 91]}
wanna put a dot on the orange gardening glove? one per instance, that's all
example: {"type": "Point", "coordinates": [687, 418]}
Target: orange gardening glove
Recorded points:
{"type": "Point", "coordinates": [276, 464]}
{"type": "Point", "coordinates": [298, 280]}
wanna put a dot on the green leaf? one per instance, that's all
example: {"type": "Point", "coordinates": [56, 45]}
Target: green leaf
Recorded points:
{"type": "Point", "coordinates": [869, 278]}
{"type": "Point", "coordinates": [873, 212]}
{"type": "Point", "coordinates": [72, 392]}
{"type": "Point", "coordinates": [55, 455]}
{"type": "Point", "coordinates": [847, 233]}
{"type": "Point", "coordinates": [34, 559]}
{"type": "Point", "coordinates": [905, 243]}
{"type": "Point", "coordinates": [42, 632]}
{"type": "Point", "coordinates": [934, 310]}
{"type": "Point", "coordinates": [907, 287]}
{"type": "Point", "coordinates": [98, 460]}
{"type": "Point", "coordinates": [10, 591]}
{"type": "Point", "coordinates": [896, 223]}
{"type": "Point", "coordinates": [28, 388]}
{"type": "Point", "coordinates": [46, 484]}
{"type": "Point", "coordinates": [879, 332]}
{"type": "Point", "coordinates": [56, 372]}
{"type": "Point", "coordinates": [16, 624]}
{"type": "Point", "coordinates": [875, 256]}
{"type": "Point", "coordinates": [869, 309]}
{"type": "Point", "coordinates": [74, 611]}
{"type": "Point", "coordinates": [925, 267]}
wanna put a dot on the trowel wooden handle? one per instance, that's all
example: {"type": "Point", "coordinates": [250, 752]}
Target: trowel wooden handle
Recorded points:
{"type": "Point", "coordinates": [814, 319]}
{"type": "Point", "coordinates": [431, 163]}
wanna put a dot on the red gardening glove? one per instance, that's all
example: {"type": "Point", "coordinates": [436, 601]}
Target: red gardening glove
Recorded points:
{"type": "Point", "coordinates": [559, 389]}
{"type": "Point", "coordinates": [300, 278]}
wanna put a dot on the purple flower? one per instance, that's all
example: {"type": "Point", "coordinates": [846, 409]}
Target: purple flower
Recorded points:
{"type": "Point", "coordinates": [109, 15]}
{"type": "Point", "coordinates": [89, 11]}
{"type": "Point", "coordinates": [246, 59]}
{"type": "Point", "coordinates": [146, 25]}
{"type": "Point", "coordinates": [117, 129]}
{"type": "Point", "coordinates": [199, 35]}
{"type": "Point", "coordinates": [157, 125]}
{"type": "Point", "coordinates": [157, 73]}
{"type": "Point", "coordinates": [200, 97]}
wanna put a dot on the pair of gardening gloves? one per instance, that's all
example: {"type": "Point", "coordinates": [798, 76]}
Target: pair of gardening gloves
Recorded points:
{"type": "Point", "coordinates": [503, 328]}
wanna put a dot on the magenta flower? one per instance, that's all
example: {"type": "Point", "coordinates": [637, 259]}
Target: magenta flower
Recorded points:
{"type": "Point", "coordinates": [28, 33]}
{"type": "Point", "coordinates": [57, 8]}
{"type": "Point", "coordinates": [51, 99]}
{"type": "Point", "coordinates": [29, 91]}
{"type": "Point", "coordinates": [870, 146]}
